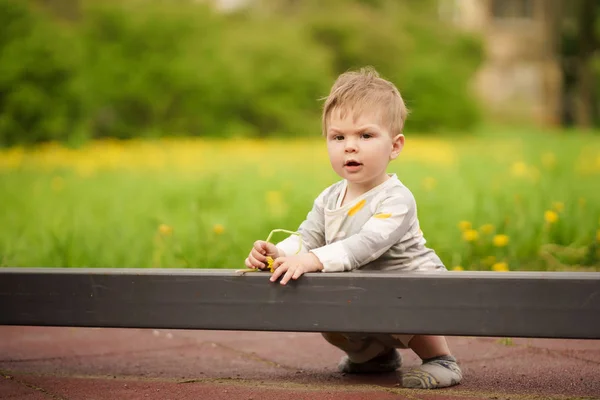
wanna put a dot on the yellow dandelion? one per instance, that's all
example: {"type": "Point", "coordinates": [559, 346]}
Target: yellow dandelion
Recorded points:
{"type": "Point", "coordinates": [464, 225]}
{"type": "Point", "coordinates": [165, 230]}
{"type": "Point", "coordinates": [429, 183]}
{"type": "Point", "coordinates": [270, 264]}
{"type": "Point", "coordinates": [558, 206]}
{"type": "Point", "coordinates": [500, 240]}
{"type": "Point", "coordinates": [218, 229]}
{"type": "Point", "coordinates": [519, 169]}
{"type": "Point", "coordinates": [486, 229]}
{"type": "Point", "coordinates": [500, 267]}
{"type": "Point", "coordinates": [470, 235]}
{"type": "Point", "coordinates": [457, 268]}
{"type": "Point", "coordinates": [550, 216]}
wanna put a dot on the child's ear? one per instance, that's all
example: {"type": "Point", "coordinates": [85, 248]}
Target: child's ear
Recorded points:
{"type": "Point", "coordinates": [397, 146]}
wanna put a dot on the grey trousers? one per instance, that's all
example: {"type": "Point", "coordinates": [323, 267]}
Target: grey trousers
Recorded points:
{"type": "Point", "coordinates": [362, 347]}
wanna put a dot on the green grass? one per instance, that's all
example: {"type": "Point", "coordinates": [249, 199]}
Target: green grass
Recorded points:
{"type": "Point", "coordinates": [103, 206]}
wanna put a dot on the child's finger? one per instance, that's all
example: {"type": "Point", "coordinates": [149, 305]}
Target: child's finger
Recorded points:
{"type": "Point", "coordinates": [261, 246]}
{"type": "Point", "coordinates": [288, 275]}
{"type": "Point", "coordinates": [271, 249]}
{"type": "Point", "coordinates": [254, 262]}
{"type": "Point", "coordinates": [277, 262]}
{"type": "Point", "coordinates": [247, 263]}
{"type": "Point", "coordinates": [297, 274]}
{"type": "Point", "coordinates": [257, 255]}
{"type": "Point", "coordinates": [278, 272]}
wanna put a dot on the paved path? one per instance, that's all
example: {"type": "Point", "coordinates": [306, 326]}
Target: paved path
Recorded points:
{"type": "Point", "coordinates": [77, 363]}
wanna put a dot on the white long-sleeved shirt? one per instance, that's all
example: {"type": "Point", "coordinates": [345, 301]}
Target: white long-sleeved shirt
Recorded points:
{"type": "Point", "coordinates": [378, 230]}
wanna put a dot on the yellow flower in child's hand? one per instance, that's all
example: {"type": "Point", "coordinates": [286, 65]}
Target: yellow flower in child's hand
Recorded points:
{"type": "Point", "coordinates": [458, 268]}
{"type": "Point", "coordinates": [500, 267]}
{"type": "Point", "coordinates": [470, 235]}
{"type": "Point", "coordinates": [464, 225]}
{"type": "Point", "coordinates": [270, 264]}
{"type": "Point", "coordinates": [500, 240]}
{"type": "Point", "coordinates": [551, 216]}
{"type": "Point", "coordinates": [218, 229]}
{"type": "Point", "coordinates": [486, 229]}
{"type": "Point", "coordinates": [165, 230]}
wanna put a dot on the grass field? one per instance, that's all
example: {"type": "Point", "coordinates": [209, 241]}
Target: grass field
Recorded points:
{"type": "Point", "coordinates": [518, 201]}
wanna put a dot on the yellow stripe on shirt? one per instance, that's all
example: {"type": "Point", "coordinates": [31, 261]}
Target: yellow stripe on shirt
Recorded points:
{"type": "Point", "coordinates": [382, 215]}
{"type": "Point", "coordinates": [357, 207]}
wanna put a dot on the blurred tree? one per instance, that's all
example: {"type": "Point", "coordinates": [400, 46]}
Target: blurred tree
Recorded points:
{"type": "Point", "coordinates": [65, 9]}
{"type": "Point", "coordinates": [587, 44]}
{"type": "Point", "coordinates": [71, 70]}
{"type": "Point", "coordinates": [38, 99]}
{"type": "Point", "coordinates": [580, 27]}
{"type": "Point", "coordinates": [181, 68]}
{"type": "Point", "coordinates": [429, 59]}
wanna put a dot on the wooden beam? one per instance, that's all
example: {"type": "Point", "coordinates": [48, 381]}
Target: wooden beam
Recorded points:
{"type": "Point", "coordinates": [515, 304]}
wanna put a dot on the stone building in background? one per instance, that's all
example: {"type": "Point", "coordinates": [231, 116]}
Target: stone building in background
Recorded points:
{"type": "Point", "coordinates": [521, 76]}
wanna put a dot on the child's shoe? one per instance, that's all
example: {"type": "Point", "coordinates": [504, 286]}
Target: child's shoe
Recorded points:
{"type": "Point", "coordinates": [388, 361]}
{"type": "Point", "coordinates": [434, 373]}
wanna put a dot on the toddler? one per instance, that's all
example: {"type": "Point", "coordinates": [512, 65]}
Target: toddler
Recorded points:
{"type": "Point", "coordinates": [366, 221]}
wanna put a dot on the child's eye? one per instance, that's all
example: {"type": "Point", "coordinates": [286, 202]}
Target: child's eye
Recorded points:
{"type": "Point", "coordinates": [366, 135]}
{"type": "Point", "coordinates": [338, 137]}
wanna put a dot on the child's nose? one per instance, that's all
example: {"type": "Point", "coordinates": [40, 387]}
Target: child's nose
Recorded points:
{"type": "Point", "coordinates": [351, 145]}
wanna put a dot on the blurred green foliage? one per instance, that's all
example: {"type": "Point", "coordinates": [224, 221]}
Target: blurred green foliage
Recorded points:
{"type": "Point", "coordinates": [429, 60]}
{"type": "Point", "coordinates": [38, 99]}
{"type": "Point", "coordinates": [174, 68]}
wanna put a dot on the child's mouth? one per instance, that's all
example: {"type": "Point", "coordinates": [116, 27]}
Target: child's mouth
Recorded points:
{"type": "Point", "coordinates": [352, 165]}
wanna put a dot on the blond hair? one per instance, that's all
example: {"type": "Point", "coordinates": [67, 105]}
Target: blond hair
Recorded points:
{"type": "Point", "coordinates": [363, 91]}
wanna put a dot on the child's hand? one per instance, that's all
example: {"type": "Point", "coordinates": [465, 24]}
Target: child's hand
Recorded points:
{"type": "Point", "coordinates": [259, 253]}
{"type": "Point", "coordinates": [295, 266]}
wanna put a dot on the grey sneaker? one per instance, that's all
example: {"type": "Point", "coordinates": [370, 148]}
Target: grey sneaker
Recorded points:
{"type": "Point", "coordinates": [389, 361]}
{"type": "Point", "coordinates": [438, 372]}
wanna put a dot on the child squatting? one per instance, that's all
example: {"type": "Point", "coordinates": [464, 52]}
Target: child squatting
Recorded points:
{"type": "Point", "coordinates": [366, 221]}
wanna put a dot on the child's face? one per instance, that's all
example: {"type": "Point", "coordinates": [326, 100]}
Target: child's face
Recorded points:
{"type": "Point", "coordinates": [360, 149]}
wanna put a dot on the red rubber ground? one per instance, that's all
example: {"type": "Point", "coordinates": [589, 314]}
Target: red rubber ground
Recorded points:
{"type": "Point", "coordinates": [78, 363]}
